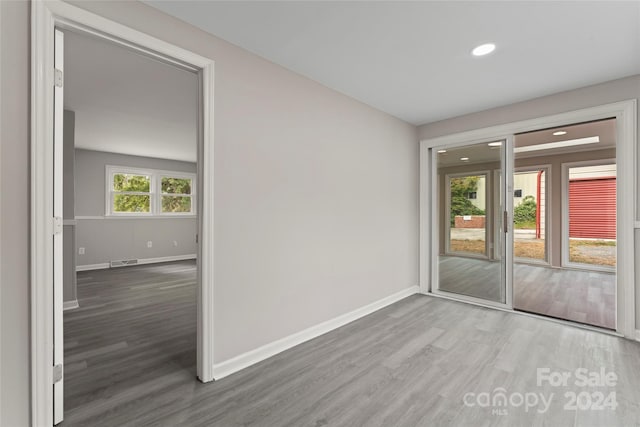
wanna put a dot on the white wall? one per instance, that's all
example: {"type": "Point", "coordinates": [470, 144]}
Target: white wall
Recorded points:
{"type": "Point", "coordinates": [614, 91]}
{"type": "Point", "coordinates": [316, 197]}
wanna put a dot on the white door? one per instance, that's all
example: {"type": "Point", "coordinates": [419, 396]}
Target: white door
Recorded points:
{"type": "Point", "coordinates": [58, 335]}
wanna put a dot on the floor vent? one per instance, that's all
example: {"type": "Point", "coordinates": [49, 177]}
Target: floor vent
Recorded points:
{"type": "Point", "coordinates": [123, 263]}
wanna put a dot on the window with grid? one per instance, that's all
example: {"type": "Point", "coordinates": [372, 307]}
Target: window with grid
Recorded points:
{"type": "Point", "coordinates": [149, 192]}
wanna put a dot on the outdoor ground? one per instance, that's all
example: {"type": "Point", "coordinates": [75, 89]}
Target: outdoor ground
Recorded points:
{"type": "Point", "coordinates": [597, 252]}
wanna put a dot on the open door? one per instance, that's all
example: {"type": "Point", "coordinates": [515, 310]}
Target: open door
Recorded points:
{"type": "Point", "coordinates": [58, 334]}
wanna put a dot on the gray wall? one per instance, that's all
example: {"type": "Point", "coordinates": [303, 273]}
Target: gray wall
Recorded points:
{"type": "Point", "coordinates": [614, 91]}
{"type": "Point", "coordinates": [107, 238]}
{"type": "Point", "coordinates": [14, 214]}
{"type": "Point", "coordinates": [68, 192]}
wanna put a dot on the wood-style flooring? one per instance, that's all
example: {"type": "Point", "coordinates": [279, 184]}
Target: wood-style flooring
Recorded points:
{"type": "Point", "coordinates": [131, 355]}
{"type": "Point", "coordinates": [577, 295]}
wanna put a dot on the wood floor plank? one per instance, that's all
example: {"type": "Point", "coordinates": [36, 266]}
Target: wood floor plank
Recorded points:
{"type": "Point", "coordinates": [409, 364]}
{"type": "Point", "coordinates": [576, 295]}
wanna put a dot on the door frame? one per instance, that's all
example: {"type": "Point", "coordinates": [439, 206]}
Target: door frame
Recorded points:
{"type": "Point", "coordinates": [625, 113]}
{"type": "Point", "coordinates": [45, 17]}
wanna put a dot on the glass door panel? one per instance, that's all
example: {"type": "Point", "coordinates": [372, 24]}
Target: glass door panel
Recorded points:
{"type": "Point", "coordinates": [469, 206]}
{"type": "Point", "coordinates": [565, 211]}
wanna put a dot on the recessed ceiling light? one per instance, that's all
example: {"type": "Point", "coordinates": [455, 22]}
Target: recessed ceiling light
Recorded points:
{"type": "Point", "coordinates": [560, 132]}
{"type": "Point", "coordinates": [442, 151]}
{"type": "Point", "coordinates": [495, 144]}
{"type": "Point", "coordinates": [464, 159]}
{"type": "Point", "coordinates": [483, 49]}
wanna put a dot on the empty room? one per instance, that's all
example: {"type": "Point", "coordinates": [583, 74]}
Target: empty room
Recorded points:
{"type": "Point", "coordinates": [310, 213]}
{"type": "Point", "coordinates": [130, 132]}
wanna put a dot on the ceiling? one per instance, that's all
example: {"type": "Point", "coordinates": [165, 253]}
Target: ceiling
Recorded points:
{"type": "Point", "coordinates": [128, 103]}
{"type": "Point", "coordinates": [605, 130]}
{"type": "Point", "coordinates": [412, 59]}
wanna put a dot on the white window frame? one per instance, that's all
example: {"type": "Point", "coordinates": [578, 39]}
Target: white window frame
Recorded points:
{"type": "Point", "coordinates": [488, 210]}
{"type": "Point", "coordinates": [155, 191]}
{"type": "Point", "coordinates": [181, 175]}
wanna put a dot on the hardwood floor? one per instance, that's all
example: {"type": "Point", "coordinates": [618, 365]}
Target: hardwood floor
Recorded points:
{"type": "Point", "coordinates": [581, 296]}
{"type": "Point", "coordinates": [134, 325]}
{"type": "Point", "coordinates": [410, 364]}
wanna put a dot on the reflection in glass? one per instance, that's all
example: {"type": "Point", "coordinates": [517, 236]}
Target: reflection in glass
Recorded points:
{"type": "Point", "coordinates": [467, 196]}
{"type": "Point", "coordinates": [470, 234]}
{"type": "Point", "coordinates": [529, 215]}
{"type": "Point", "coordinates": [592, 215]}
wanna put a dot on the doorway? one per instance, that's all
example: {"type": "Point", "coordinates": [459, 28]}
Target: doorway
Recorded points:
{"type": "Point", "coordinates": [559, 245]}
{"type": "Point", "coordinates": [130, 198]}
{"type": "Point", "coordinates": [47, 224]}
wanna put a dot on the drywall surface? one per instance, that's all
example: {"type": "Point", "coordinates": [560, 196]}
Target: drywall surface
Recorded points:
{"type": "Point", "coordinates": [104, 239]}
{"type": "Point", "coordinates": [68, 204]}
{"type": "Point", "coordinates": [69, 279]}
{"type": "Point", "coordinates": [605, 93]}
{"type": "Point", "coordinates": [14, 212]}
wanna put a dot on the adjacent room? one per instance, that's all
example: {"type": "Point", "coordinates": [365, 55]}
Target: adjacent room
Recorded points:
{"type": "Point", "coordinates": [130, 222]}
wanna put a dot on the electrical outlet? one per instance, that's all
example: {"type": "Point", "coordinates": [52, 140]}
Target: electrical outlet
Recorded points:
{"type": "Point", "coordinates": [80, 251]}
{"type": "Point", "coordinates": [149, 244]}
{"type": "Point", "coordinates": [175, 243]}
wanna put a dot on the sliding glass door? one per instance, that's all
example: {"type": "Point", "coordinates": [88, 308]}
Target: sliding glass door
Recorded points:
{"type": "Point", "coordinates": [469, 215]}
{"type": "Point", "coordinates": [565, 239]}
{"type": "Point", "coordinates": [530, 222]}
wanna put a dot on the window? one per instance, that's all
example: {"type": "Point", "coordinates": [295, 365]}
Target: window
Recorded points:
{"type": "Point", "coordinates": [176, 194]}
{"type": "Point", "coordinates": [472, 195]}
{"type": "Point", "coordinates": [517, 193]}
{"type": "Point", "coordinates": [149, 192]}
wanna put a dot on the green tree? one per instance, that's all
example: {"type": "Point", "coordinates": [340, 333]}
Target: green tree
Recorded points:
{"type": "Point", "coordinates": [525, 212]}
{"type": "Point", "coordinates": [460, 203]}
{"type": "Point", "coordinates": [177, 186]}
{"type": "Point", "coordinates": [131, 202]}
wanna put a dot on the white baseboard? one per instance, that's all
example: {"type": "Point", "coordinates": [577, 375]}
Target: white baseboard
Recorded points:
{"type": "Point", "coordinates": [70, 305]}
{"type": "Point", "coordinates": [235, 364]}
{"type": "Point", "coordinates": [166, 259]}
{"type": "Point", "coordinates": [105, 265]}
{"type": "Point", "coordinates": [87, 267]}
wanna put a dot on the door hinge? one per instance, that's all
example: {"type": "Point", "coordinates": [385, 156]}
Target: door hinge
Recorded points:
{"type": "Point", "coordinates": [58, 78]}
{"type": "Point", "coordinates": [57, 373]}
{"type": "Point", "coordinates": [57, 225]}
{"type": "Point", "coordinates": [196, 238]}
